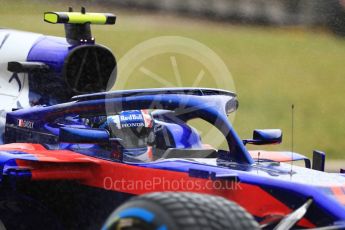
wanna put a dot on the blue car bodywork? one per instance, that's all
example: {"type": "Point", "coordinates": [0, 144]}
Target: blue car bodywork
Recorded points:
{"type": "Point", "coordinates": [280, 185]}
{"type": "Point", "coordinates": [64, 154]}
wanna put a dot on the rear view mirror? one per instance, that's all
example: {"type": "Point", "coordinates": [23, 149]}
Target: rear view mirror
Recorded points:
{"type": "Point", "coordinates": [265, 137]}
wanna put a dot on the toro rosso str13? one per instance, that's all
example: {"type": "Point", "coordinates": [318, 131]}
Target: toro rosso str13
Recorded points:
{"type": "Point", "coordinates": [68, 160]}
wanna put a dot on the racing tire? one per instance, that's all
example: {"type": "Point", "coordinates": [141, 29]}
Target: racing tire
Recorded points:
{"type": "Point", "coordinates": [179, 211]}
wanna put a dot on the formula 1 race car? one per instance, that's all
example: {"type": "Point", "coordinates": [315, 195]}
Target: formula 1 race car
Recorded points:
{"type": "Point", "coordinates": [67, 163]}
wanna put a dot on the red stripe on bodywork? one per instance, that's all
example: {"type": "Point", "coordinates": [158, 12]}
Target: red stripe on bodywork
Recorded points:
{"type": "Point", "coordinates": [22, 146]}
{"type": "Point", "coordinates": [44, 155]}
{"type": "Point", "coordinates": [339, 194]}
{"type": "Point", "coordinates": [140, 180]}
{"type": "Point", "coordinates": [54, 171]}
{"type": "Point", "coordinates": [67, 165]}
{"type": "Point", "coordinates": [270, 155]}
{"type": "Point", "coordinates": [53, 164]}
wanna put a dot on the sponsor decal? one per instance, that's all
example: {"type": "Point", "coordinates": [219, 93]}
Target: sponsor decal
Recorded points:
{"type": "Point", "coordinates": [131, 119]}
{"type": "Point", "coordinates": [129, 125]}
{"type": "Point", "coordinates": [25, 124]}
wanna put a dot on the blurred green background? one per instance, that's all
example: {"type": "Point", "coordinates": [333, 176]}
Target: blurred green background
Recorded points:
{"type": "Point", "coordinates": [272, 67]}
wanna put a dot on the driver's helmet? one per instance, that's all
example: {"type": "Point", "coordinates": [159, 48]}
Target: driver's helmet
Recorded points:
{"type": "Point", "coordinates": [132, 128]}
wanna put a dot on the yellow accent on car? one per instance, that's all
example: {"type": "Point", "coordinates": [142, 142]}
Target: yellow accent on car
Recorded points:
{"type": "Point", "coordinates": [93, 18]}
{"type": "Point", "coordinates": [77, 18]}
{"type": "Point", "coordinates": [50, 17]}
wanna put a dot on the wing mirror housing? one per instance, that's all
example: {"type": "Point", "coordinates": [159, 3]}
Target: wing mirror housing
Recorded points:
{"type": "Point", "coordinates": [84, 135]}
{"type": "Point", "coordinates": [265, 137]}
